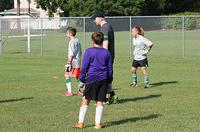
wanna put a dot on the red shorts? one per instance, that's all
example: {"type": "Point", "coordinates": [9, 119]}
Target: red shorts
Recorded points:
{"type": "Point", "coordinates": [74, 73]}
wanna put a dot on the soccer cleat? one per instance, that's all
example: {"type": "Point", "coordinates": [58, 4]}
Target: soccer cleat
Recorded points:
{"type": "Point", "coordinates": [67, 94]}
{"type": "Point", "coordinates": [133, 85]}
{"type": "Point", "coordinates": [113, 100]}
{"type": "Point", "coordinates": [146, 86]}
{"type": "Point", "coordinates": [79, 125]}
{"type": "Point", "coordinates": [99, 126]}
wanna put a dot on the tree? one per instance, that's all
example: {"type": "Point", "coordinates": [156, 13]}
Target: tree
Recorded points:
{"type": "Point", "coordinates": [121, 7]}
{"type": "Point", "coordinates": [175, 6]}
{"type": "Point", "coordinates": [87, 7]}
{"type": "Point", "coordinates": [153, 7]}
{"type": "Point", "coordinates": [29, 9]}
{"type": "Point", "coordinates": [6, 4]}
{"type": "Point", "coordinates": [51, 5]}
{"type": "Point", "coordinates": [18, 7]}
{"type": "Point", "coordinates": [118, 7]}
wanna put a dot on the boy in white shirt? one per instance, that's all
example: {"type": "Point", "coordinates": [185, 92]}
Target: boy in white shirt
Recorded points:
{"type": "Point", "coordinates": [72, 67]}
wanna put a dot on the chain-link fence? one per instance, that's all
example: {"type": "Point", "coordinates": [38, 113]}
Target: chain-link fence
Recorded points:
{"type": "Point", "coordinates": [172, 36]}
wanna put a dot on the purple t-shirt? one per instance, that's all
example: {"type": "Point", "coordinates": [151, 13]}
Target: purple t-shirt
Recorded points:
{"type": "Point", "coordinates": [96, 66]}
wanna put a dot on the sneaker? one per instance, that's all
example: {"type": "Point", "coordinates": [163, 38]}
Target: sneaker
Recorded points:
{"type": "Point", "coordinates": [113, 100]}
{"type": "Point", "coordinates": [133, 85]}
{"type": "Point", "coordinates": [99, 126]}
{"type": "Point", "coordinates": [106, 103]}
{"type": "Point", "coordinates": [79, 125]}
{"type": "Point", "coordinates": [67, 94]}
{"type": "Point", "coordinates": [146, 86]}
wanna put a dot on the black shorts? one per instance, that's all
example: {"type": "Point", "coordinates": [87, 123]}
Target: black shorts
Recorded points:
{"type": "Point", "coordinates": [140, 63]}
{"type": "Point", "coordinates": [96, 91]}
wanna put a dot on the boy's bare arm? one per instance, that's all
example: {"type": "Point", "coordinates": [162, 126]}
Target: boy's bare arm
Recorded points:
{"type": "Point", "coordinates": [105, 44]}
{"type": "Point", "coordinates": [70, 58]}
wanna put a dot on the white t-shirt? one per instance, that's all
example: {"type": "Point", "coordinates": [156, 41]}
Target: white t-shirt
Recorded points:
{"type": "Point", "coordinates": [74, 50]}
{"type": "Point", "coordinates": [140, 43]}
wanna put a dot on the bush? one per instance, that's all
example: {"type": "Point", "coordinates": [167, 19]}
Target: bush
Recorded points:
{"type": "Point", "coordinates": [191, 21]}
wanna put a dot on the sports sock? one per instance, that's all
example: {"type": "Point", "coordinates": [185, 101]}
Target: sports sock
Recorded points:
{"type": "Point", "coordinates": [69, 85]}
{"type": "Point", "coordinates": [134, 78]}
{"type": "Point", "coordinates": [78, 81]}
{"type": "Point", "coordinates": [82, 113]}
{"type": "Point", "coordinates": [146, 79]}
{"type": "Point", "coordinates": [98, 115]}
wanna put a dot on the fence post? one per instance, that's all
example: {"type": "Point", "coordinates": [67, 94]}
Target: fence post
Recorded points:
{"type": "Point", "coordinates": [183, 37]}
{"type": "Point", "coordinates": [84, 35]}
{"type": "Point", "coordinates": [29, 42]}
{"type": "Point", "coordinates": [41, 39]}
{"type": "Point", "coordinates": [0, 38]}
{"type": "Point", "coordinates": [130, 24]}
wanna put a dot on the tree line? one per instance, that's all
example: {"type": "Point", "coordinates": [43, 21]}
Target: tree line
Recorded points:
{"type": "Point", "coordinates": [120, 7]}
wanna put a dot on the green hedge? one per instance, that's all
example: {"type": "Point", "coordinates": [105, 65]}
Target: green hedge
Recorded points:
{"type": "Point", "coordinates": [192, 21]}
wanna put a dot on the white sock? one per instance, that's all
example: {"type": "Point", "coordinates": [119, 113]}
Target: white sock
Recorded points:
{"type": "Point", "coordinates": [99, 112]}
{"type": "Point", "coordinates": [68, 84]}
{"type": "Point", "coordinates": [82, 113]}
{"type": "Point", "coordinates": [69, 87]}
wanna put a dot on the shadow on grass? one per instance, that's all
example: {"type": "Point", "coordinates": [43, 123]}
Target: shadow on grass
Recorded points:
{"type": "Point", "coordinates": [115, 89]}
{"type": "Point", "coordinates": [134, 119]}
{"type": "Point", "coordinates": [162, 83]}
{"type": "Point", "coordinates": [18, 52]}
{"type": "Point", "coordinates": [138, 98]}
{"type": "Point", "coordinates": [15, 100]}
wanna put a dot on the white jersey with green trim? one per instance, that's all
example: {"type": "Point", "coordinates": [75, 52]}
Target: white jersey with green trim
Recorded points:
{"type": "Point", "coordinates": [74, 50]}
{"type": "Point", "coordinates": [140, 43]}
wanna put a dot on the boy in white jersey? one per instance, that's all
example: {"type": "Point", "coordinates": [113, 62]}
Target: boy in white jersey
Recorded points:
{"type": "Point", "coordinates": [73, 63]}
{"type": "Point", "coordinates": [141, 47]}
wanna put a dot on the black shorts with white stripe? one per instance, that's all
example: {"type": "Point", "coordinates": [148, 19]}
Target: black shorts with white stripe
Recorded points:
{"type": "Point", "coordinates": [140, 63]}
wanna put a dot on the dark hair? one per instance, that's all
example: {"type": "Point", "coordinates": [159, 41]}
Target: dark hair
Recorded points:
{"type": "Point", "coordinates": [98, 38]}
{"type": "Point", "coordinates": [71, 30]}
{"type": "Point", "coordinates": [140, 30]}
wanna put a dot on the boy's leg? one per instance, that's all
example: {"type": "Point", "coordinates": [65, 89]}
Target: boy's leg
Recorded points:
{"type": "Point", "coordinates": [80, 87]}
{"type": "Point", "coordinates": [98, 115]}
{"type": "Point", "coordinates": [78, 82]}
{"type": "Point", "coordinates": [113, 97]}
{"type": "Point", "coordinates": [134, 77]}
{"type": "Point", "coordinates": [146, 77]}
{"type": "Point", "coordinates": [83, 110]}
{"type": "Point", "coordinates": [68, 83]}
{"type": "Point", "coordinates": [76, 74]}
{"type": "Point", "coordinates": [82, 113]}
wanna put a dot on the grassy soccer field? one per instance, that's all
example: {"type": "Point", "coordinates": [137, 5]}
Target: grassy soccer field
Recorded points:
{"type": "Point", "coordinates": [31, 89]}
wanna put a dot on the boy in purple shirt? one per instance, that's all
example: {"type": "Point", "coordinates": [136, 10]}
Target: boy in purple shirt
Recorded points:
{"type": "Point", "coordinates": [96, 73]}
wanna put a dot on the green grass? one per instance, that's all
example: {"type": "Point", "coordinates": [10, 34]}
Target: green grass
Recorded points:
{"type": "Point", "coordinates": [30, 96]}
{"type": "Point", "coordinates": [167, 43]}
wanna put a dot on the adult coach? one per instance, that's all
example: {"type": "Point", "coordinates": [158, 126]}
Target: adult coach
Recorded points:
{"type": "Point", "coordinates": [108, 43]}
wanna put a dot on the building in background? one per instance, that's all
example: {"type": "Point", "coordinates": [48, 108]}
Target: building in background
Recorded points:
{"type": "Point", "coordinates": [24, 9]}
